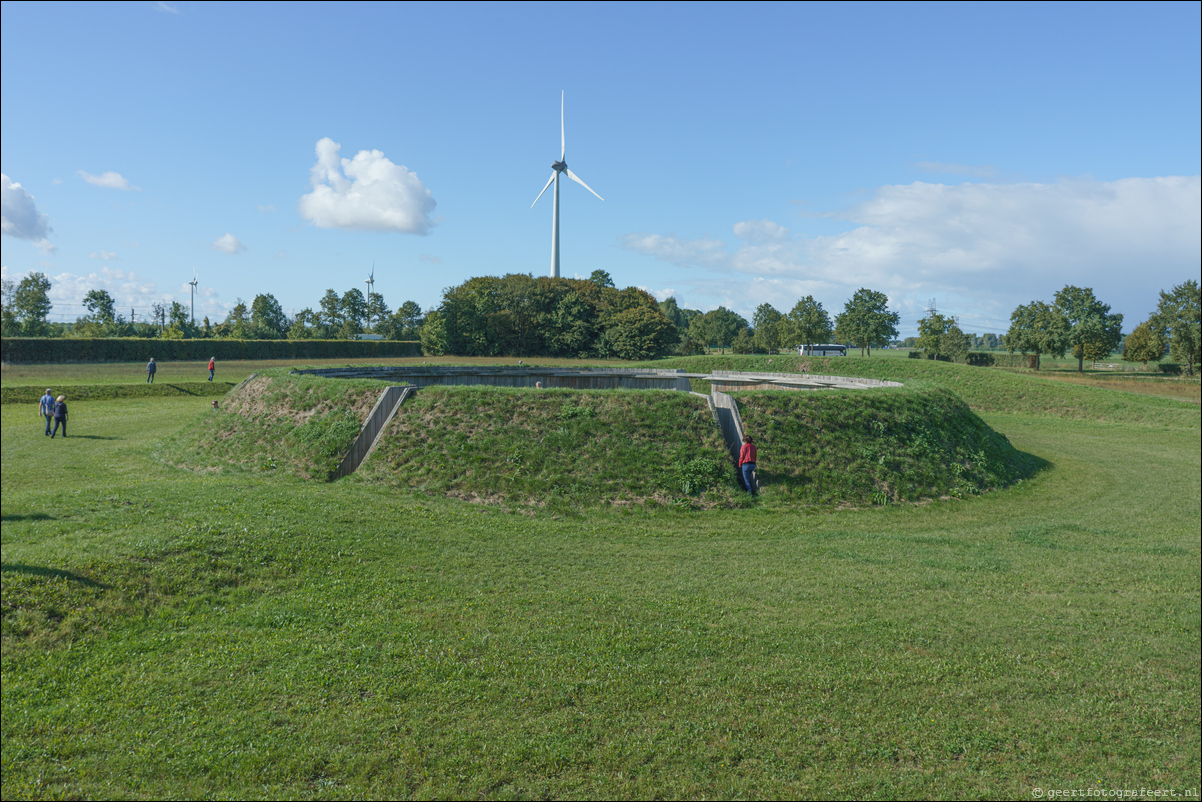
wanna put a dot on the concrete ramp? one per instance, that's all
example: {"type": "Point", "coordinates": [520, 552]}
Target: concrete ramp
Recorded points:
{"type": "Point", "coordinates": [731, 424]}
{"type": "Point", "coordinates": [390, 401]}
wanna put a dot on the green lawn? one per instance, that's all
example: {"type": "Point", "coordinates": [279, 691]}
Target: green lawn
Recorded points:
{"type": "Point", "coordinates": [178, 634]}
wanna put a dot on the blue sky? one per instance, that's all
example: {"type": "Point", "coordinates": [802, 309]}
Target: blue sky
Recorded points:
{"type": "Point", "coordinates": [981, 155]}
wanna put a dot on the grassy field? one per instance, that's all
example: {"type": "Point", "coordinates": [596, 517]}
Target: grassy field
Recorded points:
{"type": "Point", "coordinates": [170, 633]}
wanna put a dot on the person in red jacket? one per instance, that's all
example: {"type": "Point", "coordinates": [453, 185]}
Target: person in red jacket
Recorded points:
{"type": "Point", "coordinates": [212, 366]}
{"type": "Point", "coordinates": [747, 463]}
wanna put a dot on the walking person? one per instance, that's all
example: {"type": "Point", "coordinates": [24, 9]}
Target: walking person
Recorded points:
{"type": "Point", "coordinates": [747, 463]}
{"type": "Point", "coordinates": [60, 416]}
{"type": "Point", "coordinates": [150, 369]}
{"type": "Point", "coordinates": [46, 409]}
{"type": "Point", "coordinates": [212, 366]}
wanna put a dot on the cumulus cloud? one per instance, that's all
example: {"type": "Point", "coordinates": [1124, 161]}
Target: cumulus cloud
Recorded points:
{"type": "Point", "coordinates": [228, 244]}
{"type": "Point", "coordinates": [366, 193]}
{"type": "Point", "coordinates": [20, 216]}
{"type": "Point", "coordinates": [987, 246]}
{"type": "Point", "coordinates": [109, 180]}
{"type": "Point", "coordinates": [107, 256]}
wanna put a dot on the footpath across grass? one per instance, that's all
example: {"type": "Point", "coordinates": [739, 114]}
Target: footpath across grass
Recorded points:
{"type": "Point", "coordinates": [176, 634]}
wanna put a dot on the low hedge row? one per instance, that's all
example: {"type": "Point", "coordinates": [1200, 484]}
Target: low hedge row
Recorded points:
{"type": "Point", "coordinates": [100, 392]}
{"type": "Point", "coordinates": [984, 359]}
{"type": "Point", "coordinates": [988, 359]}
{"type": "Point", "coordinates": [43, 350]}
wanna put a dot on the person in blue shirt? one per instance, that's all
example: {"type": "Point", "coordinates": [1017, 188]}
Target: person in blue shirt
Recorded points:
{"type": "Point", "coordinates": [46, 409]}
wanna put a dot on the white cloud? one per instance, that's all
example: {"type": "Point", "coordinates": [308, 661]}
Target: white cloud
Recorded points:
{"type": "Point", "coordinates": [109, 180]}
{"type": "Point", "coordinates": [161, 6]}
{"type": "Point", "coordinates": [19, 215]}
{"type": "Point", "coordinates": [267, 208]}
{"type": "Point", "coordinates": [107, 256]}
{"type": "Point", "coordinates": [434, 260]}
{"type": "Point", "coordinates": [228, 244]}
{"type": "Point", "coordinates": [986, 247]}
{"type": "Point", "coordinates": [373, 195]}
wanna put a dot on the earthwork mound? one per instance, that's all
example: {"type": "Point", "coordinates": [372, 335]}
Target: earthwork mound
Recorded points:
{"type": "Point", "coordinates": [565, 448]}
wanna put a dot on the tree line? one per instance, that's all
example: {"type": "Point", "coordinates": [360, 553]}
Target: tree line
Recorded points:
{"type": "Point", "coordinates": [1078, 322]}
{"type": "Point", "coordinates": [26, 306]}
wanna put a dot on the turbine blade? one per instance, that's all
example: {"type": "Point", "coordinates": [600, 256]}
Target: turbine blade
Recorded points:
{"type": "Point", "coordinates": [563, 146]}
{"type": "Point", "coordinates": [549, 180]}
{"type": "Point", "coordinates": [576, 178]}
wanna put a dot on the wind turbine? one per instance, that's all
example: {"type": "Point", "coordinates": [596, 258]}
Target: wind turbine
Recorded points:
{"type": "Point", "coordinates": [558, 168]}
{"type": "Point", "coordinates": [371, 286]}
{"type": "Point", "coordinates": [192, 284]}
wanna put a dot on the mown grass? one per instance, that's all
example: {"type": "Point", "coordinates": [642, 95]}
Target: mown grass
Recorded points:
{"type": "Point", "coordinates": [178, 634]}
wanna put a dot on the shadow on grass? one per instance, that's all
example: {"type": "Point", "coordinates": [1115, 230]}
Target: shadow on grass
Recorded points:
{"type": "Point", "coordinates": [37, 570]}
{"type": "Point", "coordinates": [36, 516]}
{"type": "Point", "coordinates": [93, 437]}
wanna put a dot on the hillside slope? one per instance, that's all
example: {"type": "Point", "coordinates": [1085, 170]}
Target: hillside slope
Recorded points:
{"type": "Point", "coordinates": [856, 447]}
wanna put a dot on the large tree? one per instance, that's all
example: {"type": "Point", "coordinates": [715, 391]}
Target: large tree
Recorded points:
{"type": "Point", "coordinates": [267, 317]}
{"type": "Point", "coordinates": [866, 321]}
{"type": "Point", "coordinates": [1093, 331]}
{"type": "Point", "coordinates": [717, 327]}
{"type": "Point", "coordinates": [1037, 328]}
{"type": "Point", "coordinates": [931, 331]}
{"type": "Point", "coordinates": [31, 304]}
{"type": "Point", "coordinates": [1145, 345]}
{"type": "Point", "coordinates": [808, 323]}
{"type": "Point", "coordinates": [101, 306]}
{"type": "Point", "coordinates": [1177, 319]}
{"type": "Point", "coordinates": [768, 325]}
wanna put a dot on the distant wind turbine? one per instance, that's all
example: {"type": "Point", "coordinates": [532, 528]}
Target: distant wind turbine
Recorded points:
{"type": "Point", "coordinates": [371, 288]}
{"type": "Point", "coordinates": [559, 167]}
{"type": "Point", "coordinates": [192, 292]}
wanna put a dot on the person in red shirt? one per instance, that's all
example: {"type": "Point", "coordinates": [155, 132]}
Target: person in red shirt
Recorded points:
{"type": "Point", "coordinates": [747, 463]}
{"type": "Point", "coordinates": [212, 366]}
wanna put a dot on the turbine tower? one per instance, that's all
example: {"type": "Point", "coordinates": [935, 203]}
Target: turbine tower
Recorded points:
{"type": "Point", "coordinates": [370, 281]}
{"type": "Point", "coordinates": [191, 284]}
{"type": "Point", "coordinates": [558, 168]}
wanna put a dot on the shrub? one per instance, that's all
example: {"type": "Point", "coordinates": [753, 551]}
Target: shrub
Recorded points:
{"type": "Point", "coordinates": [1172, 368]}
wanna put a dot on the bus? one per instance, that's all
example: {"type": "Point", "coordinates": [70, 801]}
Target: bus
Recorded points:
{"type": "Point", "coordinates": [823, 349]}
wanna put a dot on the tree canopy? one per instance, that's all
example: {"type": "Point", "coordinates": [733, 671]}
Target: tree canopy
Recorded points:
{"type": "Point", "coordinates": [1093, 331]}
{"type": "Point", "coordinates": [1038, 328]}
{"type": "Point", "coordinates": [808, 323]}
{"type": "Point", "coordinates": [1177, 319]}
{"type": "Point", "coordinates": [519, 314]}
{"type": "Point", "coordinates": [866, 321]}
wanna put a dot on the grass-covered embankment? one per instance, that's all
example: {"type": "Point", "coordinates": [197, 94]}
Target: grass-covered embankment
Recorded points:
{"type": "Point", "coordinates": [875, 446]}
{"type": "Point", "coordinates": [556, 447]}
{"type": "Point", "coordinates": [300, 424]}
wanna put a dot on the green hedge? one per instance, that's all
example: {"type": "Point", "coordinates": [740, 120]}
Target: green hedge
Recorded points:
{"type": "Point", "coordinates": [1170, 368]}
{"type": "Point", "coordinates": [42, 350]}
{"type": "Point", "coordinates": [989, 359]}
{"type": "Point", "coordinates": [100, 392]}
